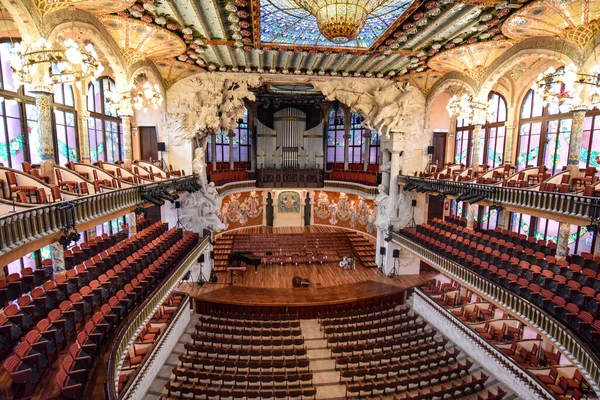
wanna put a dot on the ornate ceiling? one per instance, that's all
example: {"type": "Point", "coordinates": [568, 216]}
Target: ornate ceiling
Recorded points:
{"type": "Point", "coordinates": [399, 39]}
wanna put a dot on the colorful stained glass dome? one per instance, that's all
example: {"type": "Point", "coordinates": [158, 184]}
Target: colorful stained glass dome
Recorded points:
{"type": "Point", "coordinates": [283, 22]}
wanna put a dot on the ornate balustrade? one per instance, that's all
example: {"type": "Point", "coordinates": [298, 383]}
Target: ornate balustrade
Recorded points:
{"type": "Point", "coordinates": [565, 204]}
{"type": "Point", "coordinates": [21, 227]}
{"type": "Point", "coordinates": [351, 187]}
{"type": "Point", "coordinates": [131, 327]}
{"type": "Point", "coordinates": [571, 345]}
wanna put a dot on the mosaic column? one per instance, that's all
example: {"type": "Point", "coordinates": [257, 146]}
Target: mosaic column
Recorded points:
{"type": "Point", "coordinates": [471, 211]}
{"type": "Point", "coordinates": [475, 161]}
{"type": "Point", "coordinates": [43, 96]}
{"type": "Point", "coordinates": [367, 154]}
{"type": "Point", "coordinates": [231, 138]}
{"type": "Point", "coordinates": [128, 145]}
{"type": "Point", "coordinates": [562, 247]}
{"type": "Point", "coordinates": [132, 223]}
{"type": "Point", "coordinates": [57, 252]}
{"type": "Point", "coordinates": [84, 142]}
{"type": "Point", "coordinates": [575, 142]}
{"type": "Point", "coordinates": [501, 219]}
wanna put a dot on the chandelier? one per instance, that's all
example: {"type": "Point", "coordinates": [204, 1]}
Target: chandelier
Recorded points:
{"type": "Point", "coordinates": [464, 106]}
{"type": "Point", "coordinates": [340, 21]}
{"type": "Point", "coordinates": [565, 87]}
{"type": "Point", "coordinates": [141, 93]}
{"type": "Point", "coordinates": [72, 62]}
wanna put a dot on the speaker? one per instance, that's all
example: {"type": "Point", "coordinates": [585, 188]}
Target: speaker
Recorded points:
{"type": "Point", "coordinates": [161, 146]}
{"type": "Point", "coordinates": [212, 255]}
{"type": "Point", "coordinates": [396, 253]}
{"type": "Point", "coordinates": [430, 149]}
{"type": "Point", "coordinates": [177, 204]}
{"type": "Point", "coordinates": [187, 276]}
{"type": "Point", "coordinates": [382, 251]}
{"type": "Point", "coordinates": [201, 258]}
{"type": "Point", "coordinates": [413, 203]}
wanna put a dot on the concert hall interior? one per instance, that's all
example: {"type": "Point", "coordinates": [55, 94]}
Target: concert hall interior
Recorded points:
{"type": "Point", "coordinates": [299, 199]}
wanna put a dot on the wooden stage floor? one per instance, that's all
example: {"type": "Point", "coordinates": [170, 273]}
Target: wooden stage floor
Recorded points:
{"type": "Point", "coordinates": [330, 284]}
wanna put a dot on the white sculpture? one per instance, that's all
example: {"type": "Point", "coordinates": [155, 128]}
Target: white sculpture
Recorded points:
{"type": "Point", "coordinates": [200, 210]}
{"type": "Point", "coordinates": [382, 221]}
{"type": "Point", "coordinates": [386, 106]}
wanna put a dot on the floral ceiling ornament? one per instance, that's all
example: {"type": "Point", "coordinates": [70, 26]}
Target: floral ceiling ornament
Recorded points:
{"type": "Point", "coordinates": [139, 40]}
{"type": "Point", "coordinates": [576, 21]}
{"type": "Point", "coordinates": [579, 90]}
{"type": "Point", "coordinates": [45, 7]}
{"type": "Point", "coordinates": [471, 59]}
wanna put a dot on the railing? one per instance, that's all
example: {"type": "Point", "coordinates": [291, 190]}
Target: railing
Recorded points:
{"type": "Point", "coordinates": [559, 203]}
{"type": "Point", "coordinates": [356, 187]}
{"type": "Point", "coordinates": [21, 227]}
{"type": "Point", "coordinates": [236, 186]}
{"type": "Point", "coordinates": [508, 364]}
{"type": "Point", "coordinates": [574, 348]}
{"type": "Point", "coordinates": [131, 327]}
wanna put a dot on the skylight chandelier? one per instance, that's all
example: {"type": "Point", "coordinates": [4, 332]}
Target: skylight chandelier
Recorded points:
{"type": "Point", "coordinates": [549, 87]}
{"type": "Point", "coordinates": [340, 21]}
{"type": "Point", "coordinates": [141, 93]}
{"type": "Point", "coordinates": [70, 63]}
{"type": "Point", "coordinates": [464, 106]}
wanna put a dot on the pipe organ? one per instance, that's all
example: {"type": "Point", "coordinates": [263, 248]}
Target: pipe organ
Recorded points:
{"type": "Point", "coordinates": [289, 145]}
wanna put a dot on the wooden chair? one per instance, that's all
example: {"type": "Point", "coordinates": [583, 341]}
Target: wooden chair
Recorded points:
{"type": "Point", "coordinates": [70, 186]}
{"type": "Point", "coordinates": [71, 166]}
{"type": "Point", "coordinates": [42, 198]}
{"type": "Point", "coordinates": [56, 195]}
{"type": "Point", "coordinates": [14, 187]}
{"type": "Point", "coordinates": [28, 169]}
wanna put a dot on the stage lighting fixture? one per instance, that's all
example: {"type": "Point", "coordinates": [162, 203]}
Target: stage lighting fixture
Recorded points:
{"type": "Point", "coordinates": [441, 196]}
{"type": "Point", "coordinates": [167, 196]}
{"type": "Point", "coordinates": [497, 207]}
{"type": "Point", "coordinates": [74, 236]}
{"type": "Point", "coordinates": [409, 187]}
{"type": "Point", "coordinates": [462, 196]}
{"type": "Point", "coordinates": [592, 228]}
{"type": "Point", "coordinates": [477, 198]}
{"type": "Point", "coordinates": [154, 200]}
{"type": "Point", "coordinates": [139, 210]}
{"type": "Point", "coordinates": [64, 241]}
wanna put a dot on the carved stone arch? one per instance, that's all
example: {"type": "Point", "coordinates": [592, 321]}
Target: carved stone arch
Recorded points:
{"type": "Point", "coordinates": [26, 18]}
{"type": "Point", "coordinates": [456, 82]}
{"type": "Point", "coordinates": [592, 57]}
{"type": "Point", "coordinates": [546, 48]}
{"type": "Point", "coordinates": [65, 21]}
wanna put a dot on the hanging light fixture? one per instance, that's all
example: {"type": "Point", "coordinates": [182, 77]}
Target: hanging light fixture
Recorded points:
{"type": "Point", "coordinates": [464, 106]}
{"type": "Point", "coordinates": [141, 93]}
{"type": "Point", "coordinates": [340, 21]}
{"type": "Point", "coordinates": [549, 87]}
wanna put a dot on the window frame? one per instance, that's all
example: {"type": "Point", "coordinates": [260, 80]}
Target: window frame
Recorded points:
{"type": "Point", "coordinates": [104, 115]}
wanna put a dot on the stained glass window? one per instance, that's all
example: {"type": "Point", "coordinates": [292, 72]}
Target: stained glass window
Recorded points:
{"type": "Point", "coordinates": [335, 136]}
{"type": "Point", "coordinates": [589, 152]}
{"type": "Point", "coordinates": [464, 135]}
{"type": "Point", "coordinates": [520, 223]}
{"type": "Point", "coordinates": [221, 146]}
{"type": "Point", "coordinates": [105, 133]}
{"type": "Point", "coordinates": [488, 219]}
{"type": "Point", "coordinates": [374, 149]}
{"type": "Point", "coordinates": [241, 142]}
{"type": "Point", "coordinates": [65, 124]}
{"type": "Point", "coordinates": [544, 135]}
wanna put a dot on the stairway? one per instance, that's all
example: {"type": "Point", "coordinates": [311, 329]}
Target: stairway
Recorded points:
{"type": "Point", "coordinates": [363, 249]}
{"type": "Point", "coordinates": [325, 378]}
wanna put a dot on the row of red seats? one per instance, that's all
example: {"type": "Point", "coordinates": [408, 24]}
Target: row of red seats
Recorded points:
{"type": "Point", "coordinates": [353, 167]}
{"type": "Point", "coordinates": [97, 331]}
{"type": "Point", "coordinates": [366, 178]}
{"type": "Point", "coordinates": [222, 177]}
{"type": "Point", "coordinates": [47, 304]}
{"type": "Point", "coordinates": [566, 291]}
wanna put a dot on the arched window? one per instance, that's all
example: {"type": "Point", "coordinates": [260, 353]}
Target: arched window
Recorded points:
{"type": "Point", "coordinates": [375, 144]}
{"type": "Point", "coordinates": [19, 130]}
{"type": "Point", "coordinates": [65, 124]}
{"type": "Point", "coordinates": [356, 146]}
{"type": "Point", "coordinates": [241, 143]}
{"type": "Point", "coordinates": [494, 133]}
{"type": "Point", "coordinates": [589, 153]}
{"type": "Point", "coordinates": [544, 135]}
{"type": "Point", "coordinates": [221, 146]}
{"type": "Point", "coordinates": [104, 127]}
{"type": "Point", "coordinates": [335, 136]}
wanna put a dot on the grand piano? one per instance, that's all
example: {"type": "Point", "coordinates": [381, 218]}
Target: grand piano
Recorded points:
{"type": "Point", "coordinates": [238, 261]}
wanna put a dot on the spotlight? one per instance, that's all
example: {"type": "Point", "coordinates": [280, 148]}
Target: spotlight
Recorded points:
{"type": "Point", "coordinates": [409, 187]}
{"type": "Point", "coordinates": [74, 236]}
{"type": "Point", "coordinates": [592, 228]}
{"type": "Point", "coordinates": [154, 200]}
{"type": "Point", "coordinates": [64, 241]}
{"type": "Point", "coordinates": [441, 196]}
{"type": "Point", "coordinates": [462, 196]}
{"type": "Point", "coordinates": [139, 210]}
{"type": "Point", "coordinates": [497, 207]}
{"type": "Point", "coordinates": [167, 196]}
{"type": "Point", "coordinates": [477, 198]}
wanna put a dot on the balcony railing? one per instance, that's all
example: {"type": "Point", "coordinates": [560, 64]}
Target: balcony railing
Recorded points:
{"type": "Point", "coordinates": [507, 363]}
{"type": "Point", "coordinates": [140, 317]}
{"type": "Point", "coordinates": [21, 227]}
{"type": "Point", "coordinates": [574, 348]}
{"type": "Point", "coordinates": [548, 202]}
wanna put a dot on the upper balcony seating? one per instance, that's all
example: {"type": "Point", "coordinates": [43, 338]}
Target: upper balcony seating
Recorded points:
{"type": "Point", "coordinates": [34, 170]}
{"type": "Point", "coordinates": [79, 310]}
{"type": "Point", "coordinates": [358, 167]}
{"type": "Point", "coordinates": [569, 290]}
{"type": "Point", "coordinates": [221, 177]}
{"type": "Point", "coordinates": [243, 356]}
{"type": "Point", "coordinates": [536, 355]}
{"type": "Point", "coordinates": [224, 166]}
{"type": "Point", "coordinates": [365, 178]}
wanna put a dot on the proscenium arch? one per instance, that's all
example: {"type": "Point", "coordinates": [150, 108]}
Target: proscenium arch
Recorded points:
{"type": "Point", "coordinates": [87, 24]}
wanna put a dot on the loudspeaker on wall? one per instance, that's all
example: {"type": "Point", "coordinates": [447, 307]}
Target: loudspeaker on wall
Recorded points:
{"type": "Point", "coordinates": [396, 253]}
{"type": "Point", "coordinates": [201, 258]}
{"type": "Point", "coordinates": [413, 203]}
{"type": "Point", "coordinates": [382, 251]}
{"type": "Point", "coordinates": [161, 146]}
{"type": "Point", "coordinates": [430, 149]}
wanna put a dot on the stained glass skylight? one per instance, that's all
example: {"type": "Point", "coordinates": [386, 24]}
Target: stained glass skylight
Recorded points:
{"type": "Point", "coordinates": [283, 22]}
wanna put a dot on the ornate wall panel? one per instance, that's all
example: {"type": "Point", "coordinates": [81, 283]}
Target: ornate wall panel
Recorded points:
{"type": "Point", "coordinates": [344, 211]}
